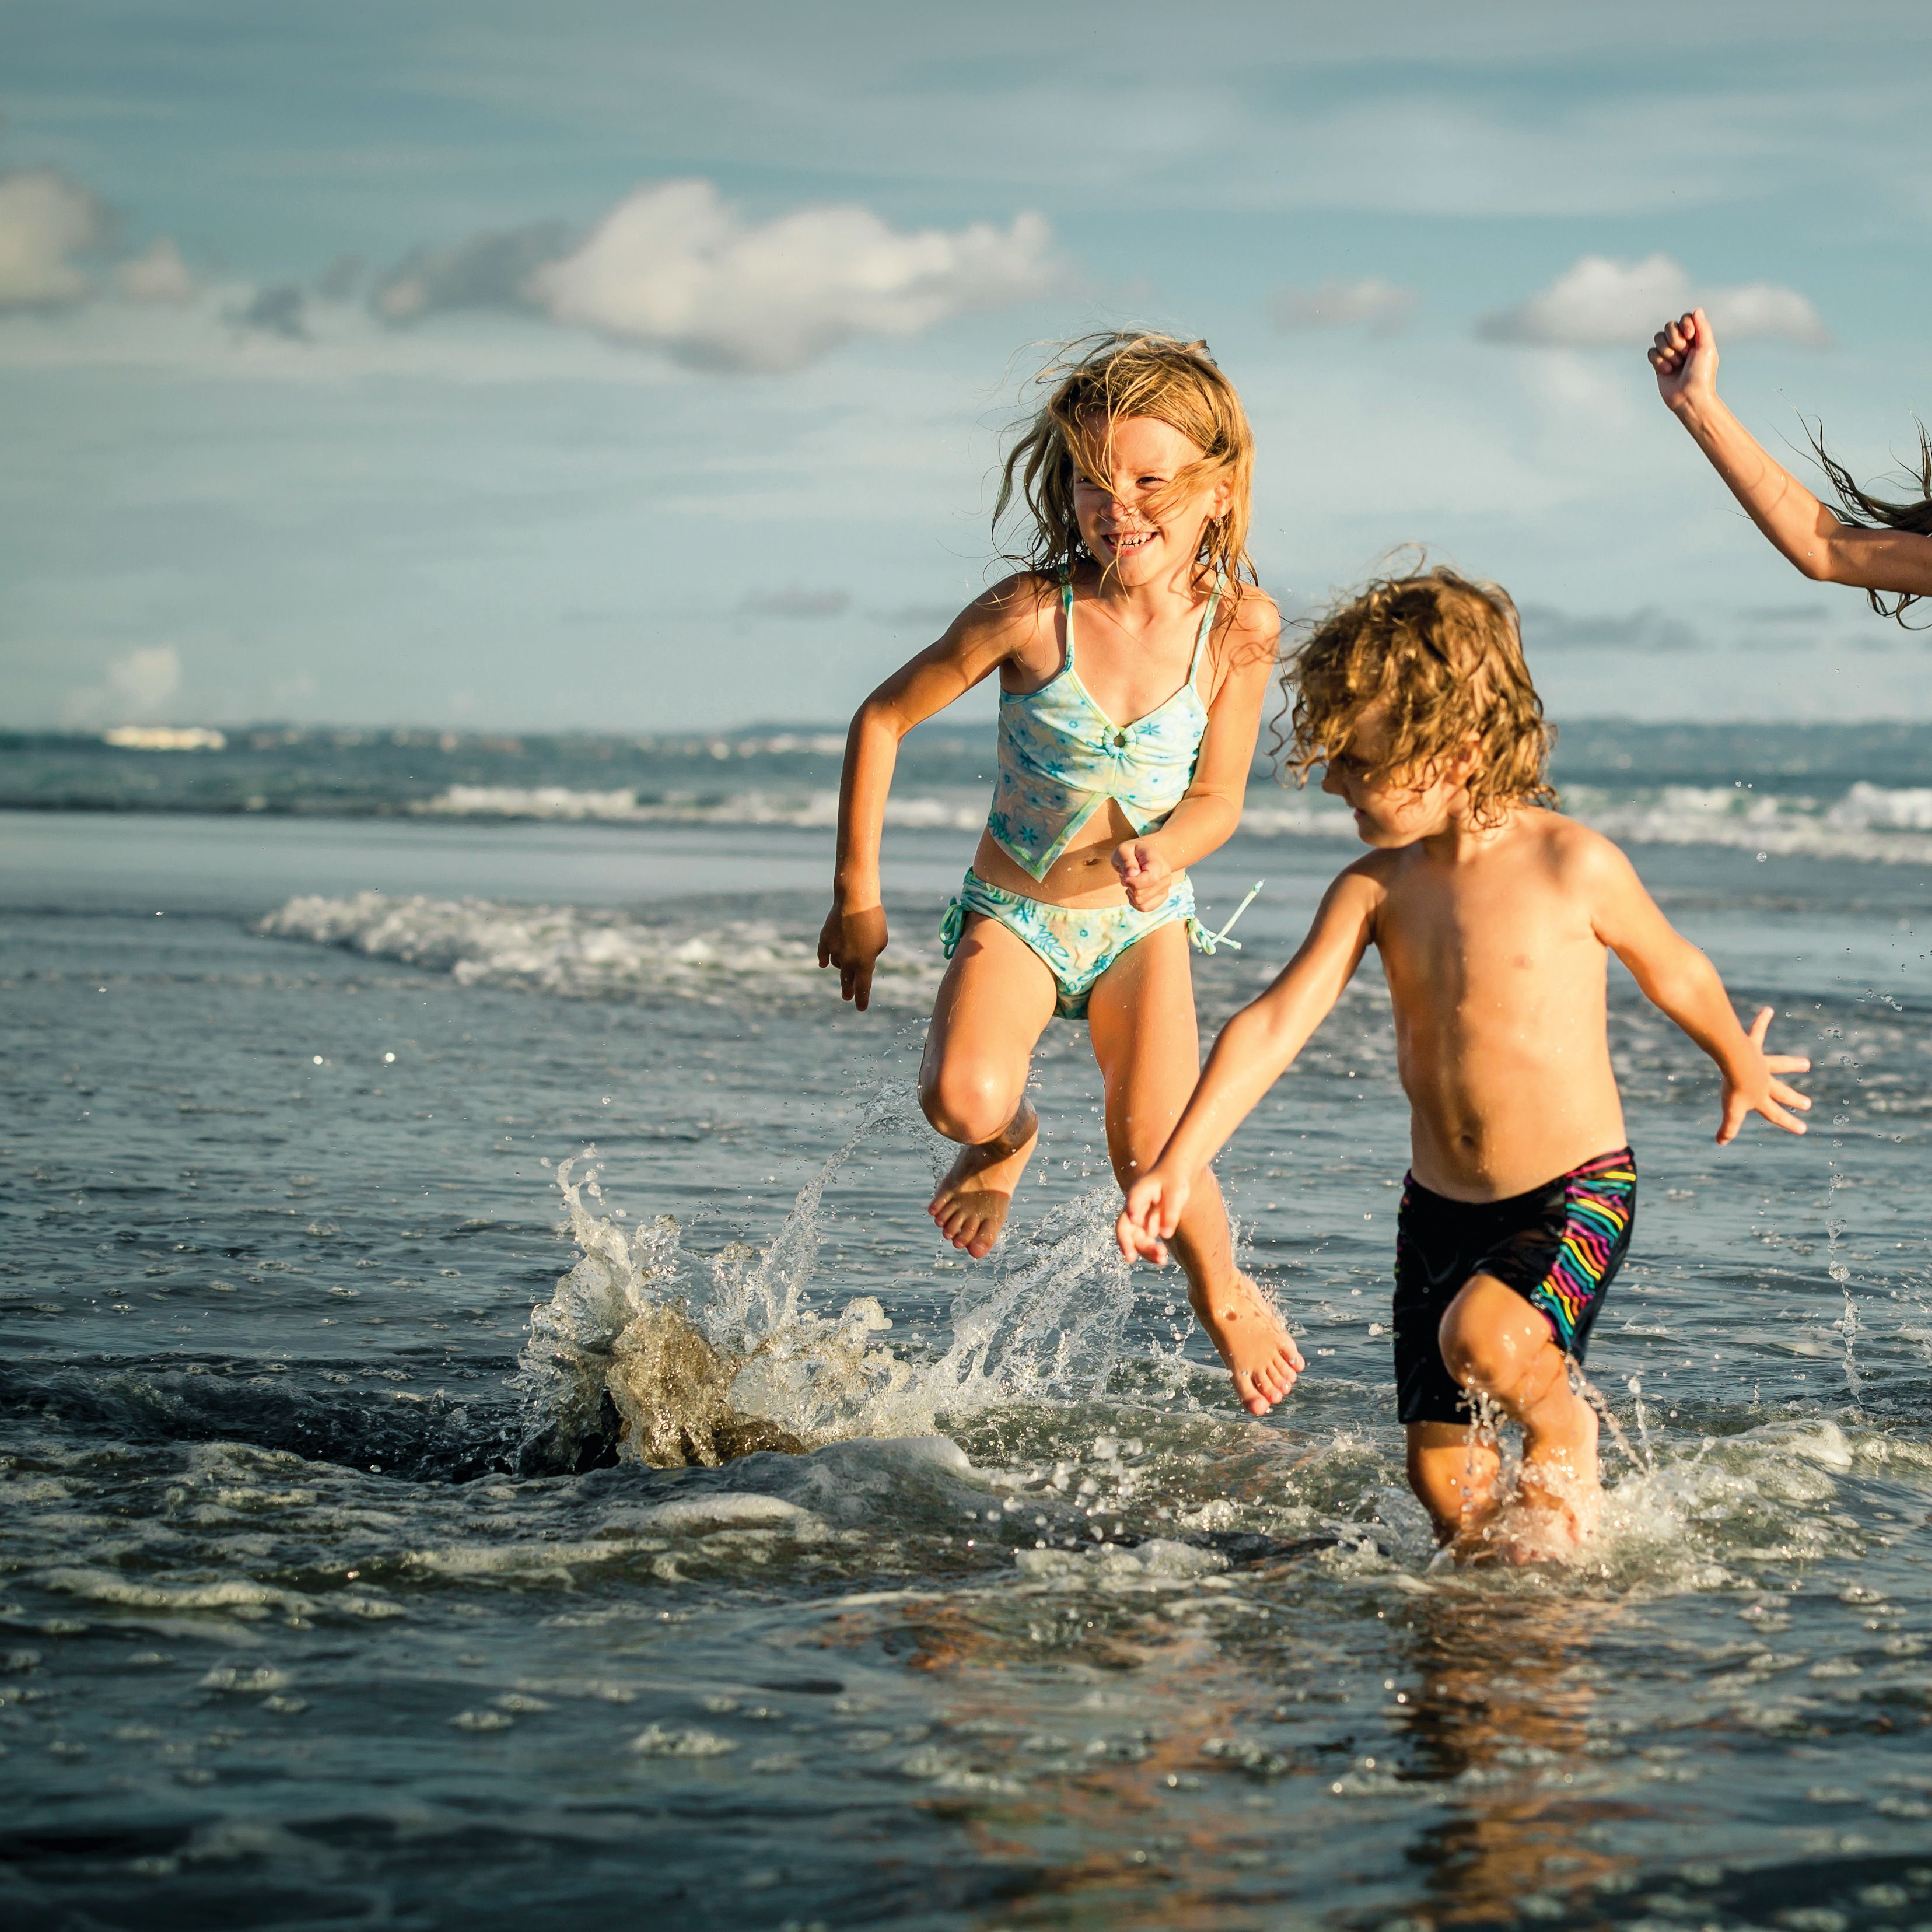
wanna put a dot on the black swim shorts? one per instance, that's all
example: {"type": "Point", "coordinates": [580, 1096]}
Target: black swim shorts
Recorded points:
{"type": "Point", "coordinates": [1559, 1246]}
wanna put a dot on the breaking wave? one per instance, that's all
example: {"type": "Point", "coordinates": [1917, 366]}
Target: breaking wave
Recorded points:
{"type": "Point", "coordinates": [811, 811]}
{"type": "Point", "coordinates": [588, 953]}
{"type": "Point", "coordinates": [1891, 825]}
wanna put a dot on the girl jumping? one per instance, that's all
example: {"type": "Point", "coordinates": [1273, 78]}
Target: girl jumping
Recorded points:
{"type": "Point", "coordinates": [1881, 548]}
{"type": "Point", "coordinates": [1133, 652]}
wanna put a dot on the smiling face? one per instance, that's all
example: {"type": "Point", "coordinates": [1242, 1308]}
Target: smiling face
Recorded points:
{"type": "Point", "coordinates": [1391, 808]}
{"type": "Point", "coordinates": [1131, 525]}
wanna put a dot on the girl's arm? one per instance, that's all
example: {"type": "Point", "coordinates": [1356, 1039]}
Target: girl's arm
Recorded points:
{"type": "Point", "coordinates": [1255, 1049]}
{"type": "Point", "coordinates": [1685, 355]}
{"type": "Point", "coordinates": [1681, 983]}
{"type": "Point", "coordinates": [978, 641]}
{"type": "Point", "coordinates": [1207, 817]}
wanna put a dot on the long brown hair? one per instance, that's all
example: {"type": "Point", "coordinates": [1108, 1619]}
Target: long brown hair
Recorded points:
{"type": "Point", "coordinates": [1444, 655]}
{"type": "Point", "coordinates": [1868, 512]}
{"type": "Point", "coordinates": [1091, 384]}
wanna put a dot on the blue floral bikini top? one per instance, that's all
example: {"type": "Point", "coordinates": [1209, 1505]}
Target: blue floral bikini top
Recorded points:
{"type": "Point", "coordinates": [1062, 758]}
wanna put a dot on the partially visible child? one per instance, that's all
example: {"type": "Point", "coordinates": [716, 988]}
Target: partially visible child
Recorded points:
{"type": "Point", "coordinates": [1880, 546]}
{"type": "Point", "coordinates": [1494, 917]}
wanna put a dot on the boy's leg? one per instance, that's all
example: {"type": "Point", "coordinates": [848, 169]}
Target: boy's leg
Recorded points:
{"type": "Point", "coordinates": [993, 1006]}
{"type": "Point", "coordinates": [1494, 1342]}
{"type": "Point", "coordinates": [1452, 1472]}
{"type": "Point", "coordinates": [1142, 1017]}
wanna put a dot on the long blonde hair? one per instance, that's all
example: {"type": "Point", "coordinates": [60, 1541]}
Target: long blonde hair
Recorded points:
{"type": "Point", "coordinates": [1091, 384]}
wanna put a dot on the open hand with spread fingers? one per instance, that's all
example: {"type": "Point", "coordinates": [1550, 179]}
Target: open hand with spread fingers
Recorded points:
{"type": "Point", "coordinates": [1751, 1086]}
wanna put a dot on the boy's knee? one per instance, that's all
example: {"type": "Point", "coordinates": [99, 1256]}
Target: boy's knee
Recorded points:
{"type": "Point", "coordinates": [1471, 1353]}
{"type": "Point", "coordinates": [968, 1104]}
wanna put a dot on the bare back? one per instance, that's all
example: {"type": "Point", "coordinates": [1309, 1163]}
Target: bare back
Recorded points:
{"type": "Point", "coordinates": [1496, 972]}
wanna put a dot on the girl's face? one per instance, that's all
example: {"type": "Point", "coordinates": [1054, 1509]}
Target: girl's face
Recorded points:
{"type": "Point", "coordinates": [1391, 811]}
{"type": "Point", "coordinates": [1119, 523]}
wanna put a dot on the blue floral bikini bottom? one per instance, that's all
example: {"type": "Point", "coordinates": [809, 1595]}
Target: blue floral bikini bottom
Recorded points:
{"type": "Point", "coordinates": [1077, 943]}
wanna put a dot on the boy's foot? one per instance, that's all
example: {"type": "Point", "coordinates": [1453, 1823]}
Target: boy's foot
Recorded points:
{"type": "Point", "coordinates": [1260, 1353]}
{"type": "Point", "coordinates": [970, 1204]}
{"type": "Point", "coordinates": [1554, 1507]}
{"type": "Point", "coordinates": [1558, 1495]}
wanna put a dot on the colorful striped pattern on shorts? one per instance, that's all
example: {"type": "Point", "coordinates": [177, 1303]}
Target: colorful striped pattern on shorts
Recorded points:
{"type": "Point", "coordinates": [1599, 1199]}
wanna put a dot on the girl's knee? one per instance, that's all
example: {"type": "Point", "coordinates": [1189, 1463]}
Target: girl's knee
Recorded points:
{"type": "Point", "coordinates": [967, 1103]}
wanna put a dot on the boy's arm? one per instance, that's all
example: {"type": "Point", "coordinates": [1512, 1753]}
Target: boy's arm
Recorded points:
{"type": "Point", "coordinates": [1208, 816]}
{"type": "Point", "coordinates": [1810, 537]}
{"type": "Point", "coordinates": [1254, 1049]}
{"type": "Point", "coordinates": [1680, 981]}
{"type": "Point", "coordinates": [976, 643]}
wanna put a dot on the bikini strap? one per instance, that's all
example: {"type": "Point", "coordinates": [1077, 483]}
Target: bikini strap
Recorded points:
{"type": "Point", "coordinates": [1066, 611]}
{"type": "Point", "coordinates": [1206, 624]}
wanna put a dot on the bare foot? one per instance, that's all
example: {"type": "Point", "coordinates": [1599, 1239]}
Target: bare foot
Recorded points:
{"type": "Point", "coordinates": [969, 1206]}
{"type": "Point", "coordinates": [1557, 1492]}
{"type": "Point", "coordinates": [1260, 1353]}
{"type": "Point", "coordinates": [1553, 1507]}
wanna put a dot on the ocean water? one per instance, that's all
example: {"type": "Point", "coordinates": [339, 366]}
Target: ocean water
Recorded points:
{"type": "Point", "coordinates": [487, 1432]}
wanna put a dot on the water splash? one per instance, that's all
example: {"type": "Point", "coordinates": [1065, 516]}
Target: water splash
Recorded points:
{"type": "Point", "coordinates": [639, 1356]}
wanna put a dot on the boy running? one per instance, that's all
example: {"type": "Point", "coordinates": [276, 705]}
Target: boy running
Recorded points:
{"type": "Point", "coordinates": [1493, 916]}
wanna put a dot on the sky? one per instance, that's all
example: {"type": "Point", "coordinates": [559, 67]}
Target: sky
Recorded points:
{"type": "Point", "coordinates": [643, 366]}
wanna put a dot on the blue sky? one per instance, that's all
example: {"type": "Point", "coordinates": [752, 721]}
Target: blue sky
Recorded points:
{"type": "Point", "coordinates": [642, 366]}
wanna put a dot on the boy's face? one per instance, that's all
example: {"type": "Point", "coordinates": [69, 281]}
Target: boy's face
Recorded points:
{"type": "Point", "coordinates": [1390, 808]}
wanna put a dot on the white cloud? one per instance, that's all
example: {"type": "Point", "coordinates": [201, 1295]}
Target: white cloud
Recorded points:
{"type": "Point", "coordinates": [159, 275]}
{"type": "Point", "coordinates": [1596, 303]}
{"type": "Point", "coordinates": [46, 219]}
{"type": "Point", "coordinates": [137, 686]}
{"type": "Point", "coordinates": [677, 267]}
{"type": "Point", "coordinates": [1379, 306]}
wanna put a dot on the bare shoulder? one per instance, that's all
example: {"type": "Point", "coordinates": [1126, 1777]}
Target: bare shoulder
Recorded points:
{"type": "Point", "coordinates": [1010, 623]}
{"type": "Point", "coordinates": [1012, 611]}
{"type": "Point", "coordinates": [1369, 879]}
{"type": "Point", "coordinates": [1251, 629]}
{"type": "Point", "coordinates": [1581, 863]}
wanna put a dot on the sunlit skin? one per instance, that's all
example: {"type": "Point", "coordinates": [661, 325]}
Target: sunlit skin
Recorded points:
{"type": "Point", "coordinates": [1809, 536]}
{"type": "Point", "coordinates": [1138, 606]}
{"type": "Point", "coordinates": [1494, 940]}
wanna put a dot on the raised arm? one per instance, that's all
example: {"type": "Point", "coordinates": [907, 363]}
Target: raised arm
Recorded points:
{"type": "Point", "coordinates": [1254, 1050]}
{"type": "Point", "coordinates": [1207, 817]}
{"type": "Point", "coordinates": [1809, 535]}
{"type": "Point", "coordinates": [977, 642]}
{"type": "Point", "coordinates": [1681, 983]}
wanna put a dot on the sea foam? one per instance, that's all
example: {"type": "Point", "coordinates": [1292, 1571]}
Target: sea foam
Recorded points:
{"type": "Point", "coordinates": [586, 952]}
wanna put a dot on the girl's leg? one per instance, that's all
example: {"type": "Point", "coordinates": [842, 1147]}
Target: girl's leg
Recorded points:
{"type": "Point", "coordinates": [1141, 1015]}
{"type": "Point", "coordinates": [1452, 1472]}
{"type": "Point", "coordinates": [993, 1006]}
{"type": "Point", "coordinates": [1493, 1341]}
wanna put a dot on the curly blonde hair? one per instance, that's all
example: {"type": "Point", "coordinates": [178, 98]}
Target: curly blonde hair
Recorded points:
{"type": "Point", "coordinates": [1445, 656]}
{"type": "Point", "coordinates": [1091, 385]}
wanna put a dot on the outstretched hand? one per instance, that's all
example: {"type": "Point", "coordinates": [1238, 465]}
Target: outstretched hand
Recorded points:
{"type": "Point", "coordinates": [852, 941]}
{"type": "Point", "coordinates": [1155, 1204]}
{"type": "Point", "coordinates": [1144, 873]}
{"type": "Point", "coordinates": [1685, 354]}
{"type": "Point", "coordinates": [1752, 1087]}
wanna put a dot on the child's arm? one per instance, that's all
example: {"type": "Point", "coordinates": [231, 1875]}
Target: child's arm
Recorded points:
{"type": "Point", "coordinates": [1207, 818]}
{"type": "Point", "coordinates": [978, 641]}
{"type": "Point", "coordinates": [1678, 980]}
{"type": "Point", "coordinates": [1685, 355]}
{"type": "Point", "coordinates": [1255, 1049]}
